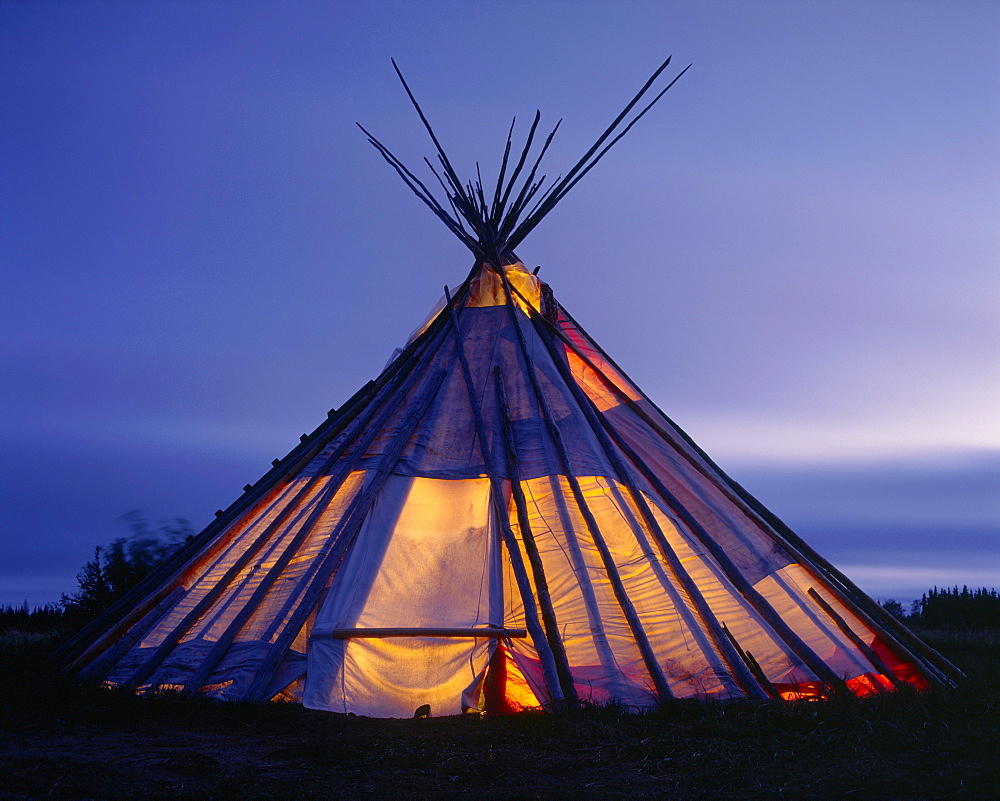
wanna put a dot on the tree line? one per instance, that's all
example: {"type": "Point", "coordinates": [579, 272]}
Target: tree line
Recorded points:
{"type": "Point", "coordinates": [951, 608]}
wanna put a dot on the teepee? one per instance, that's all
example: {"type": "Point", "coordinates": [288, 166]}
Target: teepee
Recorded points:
{"type": "Point", "coordinates": [500, 520]}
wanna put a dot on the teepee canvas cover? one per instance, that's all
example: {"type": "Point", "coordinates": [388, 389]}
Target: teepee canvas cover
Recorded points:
{"type": "Point", "coordinates": [500, 520]}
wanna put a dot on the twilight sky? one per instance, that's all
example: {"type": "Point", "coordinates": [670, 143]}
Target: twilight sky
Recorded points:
{"type": "Point", "coordinates": [795, 254]}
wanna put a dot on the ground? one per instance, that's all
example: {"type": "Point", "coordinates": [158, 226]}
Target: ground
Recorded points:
{"type": "Point", "coordinates": [58, 740]}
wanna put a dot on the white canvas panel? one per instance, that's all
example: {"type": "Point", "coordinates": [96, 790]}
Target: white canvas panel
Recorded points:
{"type": "Point", "coordinates": [786, 590]}
{"type": "Point", "coordinates": [600, 646]}
{"type": "Point", "coordinates": [210, 572]}
{"type": "Point", "coordinates": [391, 677]}
{"type": "Point", "coordinates": [596, 388]}
{"type": "Point", "coordinates": [283, 597]}
{"type": "Point", "coordinates": [242, 588]}
{"type": "Point", "coordinates": [207, 574]}
{"type": "Point", "coordinates": [272, 611]}
{"type": "Point", "coordinates": [752, 549]}
{"type": "Point", "coordinates": [681, 648]}
{"type": "Point", "coordinates": [422, 558]}
{"type": "Point", "coordinates": [728, 606]}
{"type": "Point", "coordinates": [592, 383]}
{"type": "Point", "coordinates": [803, 580]}
{"type": "Point", "coordinates": [522, 649]}
{"type": "Point", "coordinates": [425, 557]}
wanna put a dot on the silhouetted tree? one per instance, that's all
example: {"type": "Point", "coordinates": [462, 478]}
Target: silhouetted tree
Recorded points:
{"type": "Point", "coordinates": [954, 608]}
{"type": "Point", "coordinates": [118, 567]}
{"type": "Point", "coordinates": [894, 608]}
{"type": "Point", "coordinates": [21, 618]}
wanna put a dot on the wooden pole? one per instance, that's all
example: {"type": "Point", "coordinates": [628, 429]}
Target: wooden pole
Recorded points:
{"type": "Point", "coordinates": [334, 484]}
{"type": "Point", "coordinates": [228, 525]}
{"type": "Point", "coordinates": [862, 646]}
{"type": "Point", "coordinates": [153, 661]}
{"type": "Point", "coordinates": [733, 573]}
{"type": "Point", "coordinates": [763, 608]}
{"type": "Point", "coordinates": [109, 658]}
{"type": "Point", "coordinates": [628, 609]}
{"type": "Point", "coordinates": [752, 665]}
{"type": "Point", "coordinates": [531, 547]}
{"type": "Point", "coordinates": [579, 566]}
{"type": "Point", "coordinates": [550, 668]}
{"type": "Point", "coordinates": [328, 563]}
{"type": "Point", "coordinates": [737, 668]}
{"type": "Point", "coordinates": [97, 635]}
{"type": "Point", "coordinates": [934, 667]}
{"type": "Point", "coordinates": [133, 605]}
{"type": "Point", "coordinates": [491, 632]}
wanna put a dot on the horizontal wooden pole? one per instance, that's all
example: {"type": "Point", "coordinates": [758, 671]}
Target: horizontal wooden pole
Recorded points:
{"type": "Point", "coordinates": [350, 634]}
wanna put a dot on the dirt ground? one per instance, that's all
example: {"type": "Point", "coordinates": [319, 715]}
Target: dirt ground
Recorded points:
{"type": "Point", "coordinates": [163, 751]}
{"type": "Point", "coordinates": [315, 755]}
{"type": "Point", "coordinates": [61, 740]}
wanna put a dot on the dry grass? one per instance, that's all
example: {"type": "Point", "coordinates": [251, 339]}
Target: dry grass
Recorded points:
{"type": "Point", "coordinates": [65, 741]}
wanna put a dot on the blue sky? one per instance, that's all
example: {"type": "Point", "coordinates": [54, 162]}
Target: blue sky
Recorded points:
{"type": "Point", "coordinates": [795, 254]}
